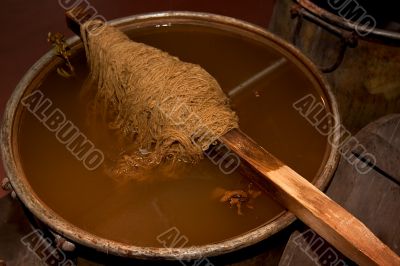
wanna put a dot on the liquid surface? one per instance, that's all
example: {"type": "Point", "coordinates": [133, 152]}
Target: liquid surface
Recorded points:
{"type": "Point", "coordinates": [137, 212]}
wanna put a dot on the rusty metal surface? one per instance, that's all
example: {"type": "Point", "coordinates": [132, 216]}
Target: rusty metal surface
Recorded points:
{"type": "Point", "coordinates": [347, 39]}
{"type": "Point", "coordinates": [70, 232]}
{"type": "Point", "coordinates": [378, 35]}
{"type": "Point", "coordinates": [366, 84]}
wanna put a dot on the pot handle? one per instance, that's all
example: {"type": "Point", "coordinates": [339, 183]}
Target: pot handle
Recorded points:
{"type": "Point", "coordinates": [347, 38]}
{"type": "Point", "coordinates": [6, 186]}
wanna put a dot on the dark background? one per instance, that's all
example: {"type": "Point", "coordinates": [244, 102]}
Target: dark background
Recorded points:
{"type": "Point", "coordinates": [25, 24]}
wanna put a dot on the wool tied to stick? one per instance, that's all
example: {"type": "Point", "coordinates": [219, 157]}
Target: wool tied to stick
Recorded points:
{"type": "Point", "coordinates": [167, 109]}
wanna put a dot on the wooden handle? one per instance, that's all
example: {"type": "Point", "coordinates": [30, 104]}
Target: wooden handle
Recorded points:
{"type": "Point", "coordinates": [314, 208]}
{"type": "Point", "coordinates": [75, 18]}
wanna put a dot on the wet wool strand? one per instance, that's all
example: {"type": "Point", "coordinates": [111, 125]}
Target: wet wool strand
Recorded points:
{"type": "Point", "coordinates": [168, 110]}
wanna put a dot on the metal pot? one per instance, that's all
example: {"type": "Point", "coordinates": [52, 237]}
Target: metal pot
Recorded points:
{"type": "Point", "coordinates": [19, 184]}
{"type": "Point", "coordinates": [361, 61]}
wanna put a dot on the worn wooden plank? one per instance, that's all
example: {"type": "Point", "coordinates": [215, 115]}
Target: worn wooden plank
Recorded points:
{"type": "Point", "coordinates": [372, 197]}
{"type": "Point", "coordinates": [13, 227]}
{"type": "Point", "coordinates": [294, 252]}
{"type": "Point", "coordinates": [383, 141]}
{"type": "Point", "coordinates": [305, 247]}
{"type": "Point", "coordinates": [310, 205]}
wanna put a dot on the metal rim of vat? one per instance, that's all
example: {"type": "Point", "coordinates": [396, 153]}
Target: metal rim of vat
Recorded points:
{"type": "Point", "coordinates": [20, 185]}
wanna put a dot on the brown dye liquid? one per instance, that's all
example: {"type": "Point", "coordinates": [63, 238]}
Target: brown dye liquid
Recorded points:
{"type": "Point", "coordinates": [137, 212]}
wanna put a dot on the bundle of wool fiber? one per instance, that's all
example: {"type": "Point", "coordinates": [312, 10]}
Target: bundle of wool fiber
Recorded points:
{"type": "Point", "coordinates": [168, 109]}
